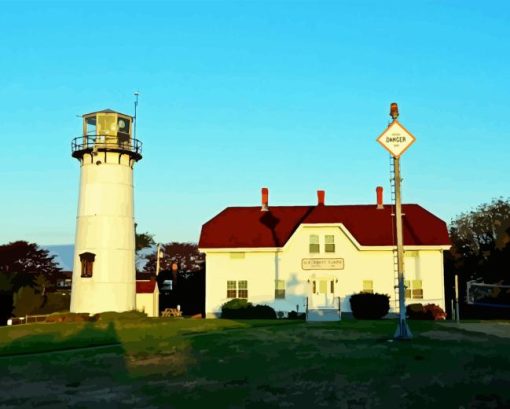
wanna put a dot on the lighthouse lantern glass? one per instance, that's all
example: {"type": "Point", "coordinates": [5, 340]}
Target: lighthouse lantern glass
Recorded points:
{"type": "Point", "coordinates": [90, 125]}
{"type": "Point", "coordinates": [123, 129]}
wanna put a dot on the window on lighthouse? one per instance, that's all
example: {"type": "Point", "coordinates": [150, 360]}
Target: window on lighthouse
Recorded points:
{"type": "Point", "coordinates": [87, 264]}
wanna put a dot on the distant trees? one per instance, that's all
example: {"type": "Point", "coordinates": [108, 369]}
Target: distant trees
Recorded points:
{"type": "Point", "coordinates": [23, 265]}
{"type": "Point", "coordinates": [480, 249]}
{"type": "Point", "coordinates": [142, 241]}
{"type": "Point", "coordinates": [481, 242]}
{"type": "Point", "coordinates": [186, 255]}
{"type": "Point", "coordinates": [188, 279]}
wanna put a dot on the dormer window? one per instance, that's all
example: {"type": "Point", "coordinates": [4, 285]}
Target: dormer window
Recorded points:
{"type": "Point", "coordinates": [329, 243]}
{"type": "Point", "coordinates": [314, 243]}
{"type": "Point", "coordinates": [87, 264]}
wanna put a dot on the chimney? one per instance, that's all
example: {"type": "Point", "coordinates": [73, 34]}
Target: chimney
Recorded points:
{"type": "Point", "coordinates": [379, 191]}
{"type": "Point", "coordinates": [265, 199]}
{"type": "Point", "coordinates": [321, 197]}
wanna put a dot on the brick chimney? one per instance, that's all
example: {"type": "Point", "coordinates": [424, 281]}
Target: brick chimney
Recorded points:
{"type": "Point", "coordinates": [265, 199]}
{"type": "Point", "coordinates": [321, 197]}
{"type": "Point", "coordinates": [379, 191]}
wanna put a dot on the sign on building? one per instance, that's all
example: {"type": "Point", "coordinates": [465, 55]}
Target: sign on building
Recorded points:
{"type": "Point", "coordinates": [322, 264]}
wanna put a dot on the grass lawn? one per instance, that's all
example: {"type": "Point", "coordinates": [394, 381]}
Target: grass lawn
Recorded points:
{"type": "Point", "coordinates": [151, 363]}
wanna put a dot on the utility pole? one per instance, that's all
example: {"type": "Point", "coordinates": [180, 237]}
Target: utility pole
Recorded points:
{"type": "Point", "coordinates": [396, 139]}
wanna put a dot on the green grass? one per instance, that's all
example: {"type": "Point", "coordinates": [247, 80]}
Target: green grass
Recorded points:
{"type": "Point", "coordinates": [252, 364]}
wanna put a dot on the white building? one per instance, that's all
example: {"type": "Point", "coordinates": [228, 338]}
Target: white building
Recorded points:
{"type": "Point", "coordinates": [147, 297]}
{"type": "Point", "coordinates": [312, 258]}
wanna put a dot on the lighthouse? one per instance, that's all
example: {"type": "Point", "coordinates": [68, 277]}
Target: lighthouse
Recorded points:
{"type": "Point", "coordinates": [104, 277]}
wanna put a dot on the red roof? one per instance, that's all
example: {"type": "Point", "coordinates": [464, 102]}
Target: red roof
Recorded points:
{"type": "Point", "coordinates": [248, 227]}
{"type": "Point", "coordinates": [145, 286]}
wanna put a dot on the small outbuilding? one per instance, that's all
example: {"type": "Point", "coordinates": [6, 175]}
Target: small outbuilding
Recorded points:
{"type": "Point", "coordinates": [147, 297]}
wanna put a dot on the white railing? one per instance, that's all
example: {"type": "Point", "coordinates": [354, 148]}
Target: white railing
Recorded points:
{"type": "Point", "coordinates": [26, 319]}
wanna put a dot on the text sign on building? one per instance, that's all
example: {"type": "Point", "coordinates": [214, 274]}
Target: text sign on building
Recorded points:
{"type": "Point", "coordinates": [322, 264]}
{"type": "Point", "coordinates": [396, 139]}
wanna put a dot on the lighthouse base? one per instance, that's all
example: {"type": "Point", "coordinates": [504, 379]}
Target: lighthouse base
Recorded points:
{"type": "Point", "coordinates": [93, 298]}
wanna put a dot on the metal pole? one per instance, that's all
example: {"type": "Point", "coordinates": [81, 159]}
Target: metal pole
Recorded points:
{"type": "Point", "coordinates": [453, 309]}
{"type": "Point", "coordinates": [457, 312]}
{"type": "Point", "coordinates": [135, 118]}
{"type": "Point", "coordinates": [403, 331]}
{"type": "Point", "coordinates": [158, 252]}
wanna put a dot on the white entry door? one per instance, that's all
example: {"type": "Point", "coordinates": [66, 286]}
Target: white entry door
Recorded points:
{"type": "Point", "coordinates": [323, 293]}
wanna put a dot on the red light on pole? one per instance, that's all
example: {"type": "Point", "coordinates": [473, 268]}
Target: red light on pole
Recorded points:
{"type": "Point", "coordinates": [394, 110]}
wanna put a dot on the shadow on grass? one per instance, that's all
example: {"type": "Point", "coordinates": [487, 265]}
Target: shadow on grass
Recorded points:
{"type": "Point", "coordinates": [65, 366]}
{"type": "Point", "coordinates": [54, 339]}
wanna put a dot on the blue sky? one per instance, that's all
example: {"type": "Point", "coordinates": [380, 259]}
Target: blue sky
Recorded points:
{"type": "Point", "coordinates": [239, 95]}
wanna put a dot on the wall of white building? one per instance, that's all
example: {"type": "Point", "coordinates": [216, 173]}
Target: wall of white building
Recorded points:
{"type": "Point", "coordinates": [261, 267]}
{"type": "Point", "coordinates": [148, 303]}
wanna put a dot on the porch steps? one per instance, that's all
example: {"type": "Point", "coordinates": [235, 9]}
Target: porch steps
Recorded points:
{"type": "Point", "coordinates": [318, 315]}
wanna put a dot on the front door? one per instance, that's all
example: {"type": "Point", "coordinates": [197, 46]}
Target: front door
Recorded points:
{"type": "Point", "coordinates": [323, 292]}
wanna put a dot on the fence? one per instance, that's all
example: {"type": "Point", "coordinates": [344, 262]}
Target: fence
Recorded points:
{"type": "Point", "coordinates": [27, 319]}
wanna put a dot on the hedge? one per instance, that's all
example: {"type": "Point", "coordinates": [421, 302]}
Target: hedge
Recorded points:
{"type": "Point", "coordinates": [369, 306]}
{"type": "Point", "coordinates": [242, 309]}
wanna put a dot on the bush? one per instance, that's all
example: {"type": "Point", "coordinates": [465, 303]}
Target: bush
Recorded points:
{"type": "Point", "coordinates": [293, 315]}
{"type": "Point", "coordinates": [369, 306]}
{"type": "Point", "coordinates": [26, 302]}
{"type": "Point", "coordinates": [122, 316]}
{"type": "Point", "coordinates": [68, 317]}
{"type": "Point", "coordinates": [425, 312]}
{"type": "Point", "coordinates": [415, 312]}
{"type": "Point", "coordinates": [264, 312]}
{"type": "Point", "coordinates": [435, 312]}
{"type": "Point", "coordinates": [55, 302]}
{"type": "Point", "coordinates": [242, 309]}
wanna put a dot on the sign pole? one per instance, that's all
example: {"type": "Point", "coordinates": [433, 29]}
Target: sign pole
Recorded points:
{"type": "Point", "coordinates": [403, 331]}
{"type": "Point", "coordinates": [396, 140]}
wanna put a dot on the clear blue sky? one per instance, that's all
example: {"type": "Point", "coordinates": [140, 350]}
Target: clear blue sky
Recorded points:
{"type": "Point", "coordinates": [240, 95]}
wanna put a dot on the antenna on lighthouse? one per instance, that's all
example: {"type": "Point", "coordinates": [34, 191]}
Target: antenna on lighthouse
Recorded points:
{"type": "Point", "coordinates": [136, 94]}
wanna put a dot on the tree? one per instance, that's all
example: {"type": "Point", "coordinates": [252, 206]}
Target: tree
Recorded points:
{"type": "Point", "coordinates": [20, 263]}
{"type": "Point", "coordinates": [186, 255]}
{"type": "Point", "coordinates": [142, 241]}
{"type": "Point", "coordinates": [23, 257]}
{"type": "Point", "coordinates": [480, 242]}
{"type": "Point", "coordinates": [41, 283]}
{"type": "Point", "coordinates": [188, 280]}
{"type": "Point", "coordinates": [480, 251]}
{"type": "Point", "coordinates": [26, 301]}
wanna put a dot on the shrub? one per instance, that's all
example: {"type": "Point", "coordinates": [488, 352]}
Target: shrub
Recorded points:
{"type": "Point", "coordinates": [434, 312]}
{"type": "Point", "coordinates": [293, 315]}
{"type": "Point", "coordinates": [55, 302]}
{"type": "Point", "coordinates": [68, 317]}
{"type": "Point", "coordinates": [26, 302]}
{"type": "Point", "coordinates": [369, 306]}
{"type": "Point", "coordinates": [415, 312]}
{"type": "Point", "coordinates": [122, 316]}
{"type": "Point", "coordinates": [264, 312]}
{"type": "Point", "coordinates": [425, 312]}
{"type": "Point", "coordinates": [242, 309]}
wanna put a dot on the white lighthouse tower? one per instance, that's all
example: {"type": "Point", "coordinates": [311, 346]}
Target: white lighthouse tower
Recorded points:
{"type": "Point", "coordinates": [104, 250]}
